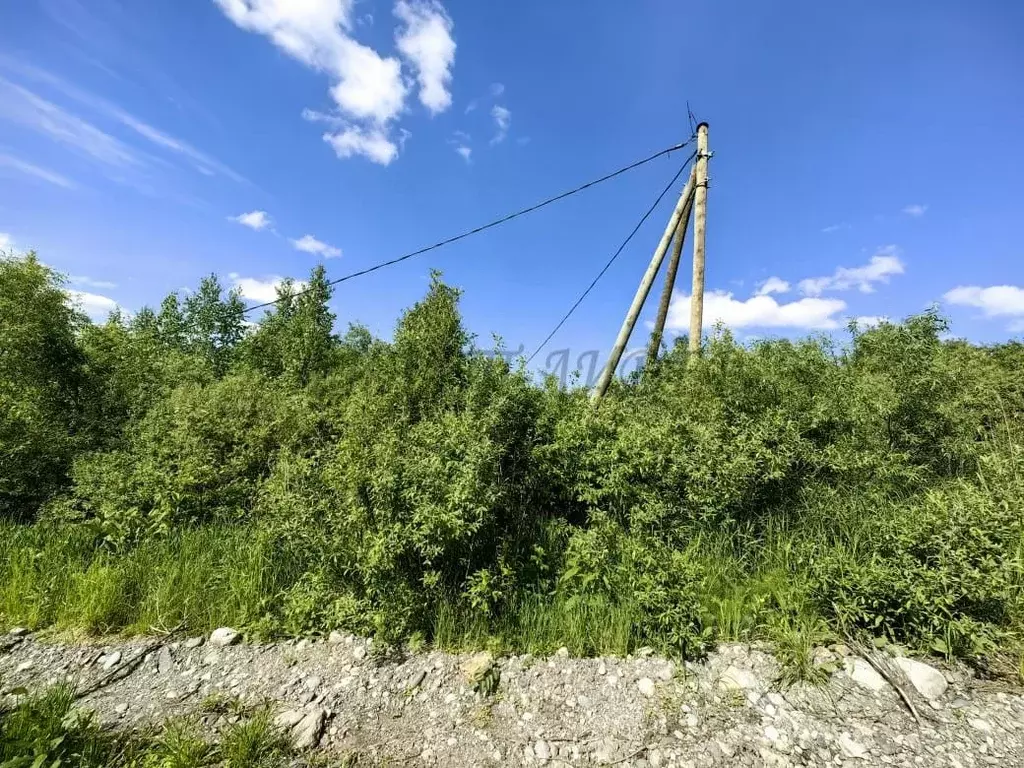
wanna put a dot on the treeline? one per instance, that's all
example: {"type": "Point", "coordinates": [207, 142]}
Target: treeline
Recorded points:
{"type": "Point", "coordinates": [180, 465]}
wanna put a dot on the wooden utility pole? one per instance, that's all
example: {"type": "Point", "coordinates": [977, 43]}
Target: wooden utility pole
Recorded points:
{"type": "Point", "coordinates": [641, 294]}
{"type": "Point", "coordinates": [670, 279]}
{"type": "Point", "coordinates": [699, 226]}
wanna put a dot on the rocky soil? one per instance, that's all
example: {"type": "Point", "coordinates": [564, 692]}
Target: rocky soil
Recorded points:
{"type": "Point", "coordinates": [345, 700]}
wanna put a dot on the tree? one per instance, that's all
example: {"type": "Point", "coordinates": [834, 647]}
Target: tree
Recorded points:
{"type": "Point", "coordinates": [41, 384]}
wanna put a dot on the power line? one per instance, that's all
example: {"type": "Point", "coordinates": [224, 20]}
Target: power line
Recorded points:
{"type": "Point", "coordinates": [489, 225]}
{"type": "Point", "coordinates": [614, 257]}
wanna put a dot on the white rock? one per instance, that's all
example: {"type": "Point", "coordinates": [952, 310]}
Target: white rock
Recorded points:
{"type": "Point", "coordinates": [928, 681]}
{"type": "Point", "coordinates": [18, 631]}
{"type": "Point", "coordinates": [121, 709]}
{"type": "Point", "coordinates": [851, 748]}
{"type": "Point", "coordinates": [416, 680]}
{"type": "Point", "coordinates": [224, 636]}
{"type": "Point", "coordinates": [111, 660]}
{"type": "Point", "coordinates": [666, 672]}
{"type": "Point", "coordinates": [359, 652]}
{"type": "Point", "coordinates": [772, 734]}
{"type": "Point", "coordinates": [25, 666]}
{"type": "Point", "coordinates": [738, 679]}
{"type": "Point", "coordinates": [646, 686]}
{"type": "Point", "coordinates": [289, 718]}
{"type": "Point", "coordinates": [980, 725]}
{"type": "Point", "coordinates": [541, 750]}
{"type": "Point", "coordinates": [307, 733]}
{"type": "Point", "coordinates": [335, 638]}
{"type": "Point", "coordinates": [562, 653]}
{"type": "Point", "coordinates": [194, 642]}
{"type": "Point", "coordinates": [602, 668]}
{"type": "Point", "coordinates": [864, 675]}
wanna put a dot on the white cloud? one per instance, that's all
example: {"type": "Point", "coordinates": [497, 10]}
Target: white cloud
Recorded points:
{"type": "Point", "coordinates": [994, 301]}
{"type": "Point", "coordinates": [260, 290]}
{"type": "Point", "coordinates": [253, 219]}
{"type": "Point", "coordinates": [97, 307]}
{"type": "Point", "coordinates": [89, 282]}
{"type": "Point", "coordinates": [917, 210]}
{"type": "Point", "coordinates": [772, 285]}
{"type": "Point", "coordinates": [371, 143]}
{"type": "Point", "coordinates": [870, 321]}
{"type": "Point", "coordinates": [502, 119]}
{"type": "Point", "coordinates": [835, 228]}
{"type": "Point", "coordinates": [427, 44]}
{"type": "Point", "coordinates": [756, 312]}
{"type": "Point", "coordinates": [367, 88]}
{"type": "Point", "coordinates": [21, 106]}
{"type": "Point", "coordinates": [465, 152]}
{"type": "Point", "coordinates": [6, 241]}
{"type": "Point", "coordinates": [38, 172]}
{"type": "Point", "coordinates": [310, 244]}
{"type": "Point", "coordinates": [879, 269]}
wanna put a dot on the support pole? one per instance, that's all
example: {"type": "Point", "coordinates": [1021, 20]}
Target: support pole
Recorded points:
{"type": "Point", "coordinates": [641, 294]}
{"type": "Point", "coordinates": [670, 280]}
{"type": "Point", "coordinates": [699, 226]}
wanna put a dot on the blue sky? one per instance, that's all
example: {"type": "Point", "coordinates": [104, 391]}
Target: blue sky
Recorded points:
{"type": "Point", "coordinates": [867, 163]}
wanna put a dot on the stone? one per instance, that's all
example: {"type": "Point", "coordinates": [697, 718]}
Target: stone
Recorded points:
{"type": "Point", "coordinates": [416, 680]}
{"type": "Point", "coordinates": [194, 642]}
{"type": "Point", "coordinates": [25, 666]}
{"type": "Point", "coordinates": [164, 660]}
{"type": "Point", "coordinates": [121, 709]}
{"type": "Point", "coordinates": [541, 751]}
{"type": "Point", "coordinates": [477, 665]}
{"type": "Point", "coordinates": [307, 733]}
{"type": "Point", "coordinates": [111, 660]}
{"type": "Point", "coordinates": [18, 631]}
{"type": "Point", "coordinates": [772, 734]}
{"type": "Point", "coordinates": [980, 725]}
{"type": "Point", "coordinates": [312, 683]}
{"type": "Point", "coordinates": [928, 681]}
{"type": "Point", "coordinates": [335, 638]}
{"type": "Point", "coordinates": [224, 636]}
{"type": "Point", "coordinates": [864, 675]}
{"type": "Point", "coordinates": [646, 686]}
{"type": "Point", "coordinates": [289, 718]}
{"type": "Point", "coordinates": [562, 653]}
{"type": "Point", "coordinates": [738, 679]}
{"type": "Point", "coordinates": [359, 652]}
{"type": "Point", "coordinates": [851, 748]}
{"type": "Point", "coordinates": [666, 672]}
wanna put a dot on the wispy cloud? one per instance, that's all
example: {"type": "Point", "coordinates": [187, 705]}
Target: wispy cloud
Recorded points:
{"type": "Point", "coordinates": [23, 107]}
{"type": "Point", "coordinates": [200, 160]}
{"type": "Point", "coordinates": [882, 266]}
{"type": "Point", "coordinates": [310, 244]}
{"type": "Point", "coordinates": [502, 120]}
{"type": "Point", "coordinates": [36, 171]}
{"type": "Point", "coordinates": [464, 152]}
{"type": "Point", "coordinates": [835, 228]}
{"type": "Point", "coordinates": [253, 219]}
{"type": "Point", "coordinates": [88, 282]}
{"type": "Point", "coordinates": [917, 210]}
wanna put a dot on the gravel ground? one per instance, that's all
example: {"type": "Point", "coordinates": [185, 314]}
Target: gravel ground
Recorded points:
{"type": "Point", "coordinates": [342, 698]}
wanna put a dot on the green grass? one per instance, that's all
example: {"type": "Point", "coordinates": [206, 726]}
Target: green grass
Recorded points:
{"type": "Point", "coordinates": [46, 730]}
{"type": "Point", "coordinates": [198, 578]}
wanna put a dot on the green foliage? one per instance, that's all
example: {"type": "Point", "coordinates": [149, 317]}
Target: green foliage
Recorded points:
{"type": "Point", "coordinates": [291, 480]}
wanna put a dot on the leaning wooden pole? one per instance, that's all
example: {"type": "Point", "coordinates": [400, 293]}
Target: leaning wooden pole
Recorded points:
{"type": "Point", "coordinates": [654, 346]}
{"type": "Point", "coordinates": [641, 294]}
{"type": "Point", "coordinates": [699, 226]}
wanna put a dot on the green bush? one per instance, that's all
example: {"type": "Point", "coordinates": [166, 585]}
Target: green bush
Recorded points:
{"type": "Point", "coordinates": [290, 480]}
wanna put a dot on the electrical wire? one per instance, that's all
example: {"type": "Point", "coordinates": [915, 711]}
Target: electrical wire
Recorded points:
{"type": "Point", "coordinates": [489, 225]}
{"type": "Point", "coordinates": [615, 255]}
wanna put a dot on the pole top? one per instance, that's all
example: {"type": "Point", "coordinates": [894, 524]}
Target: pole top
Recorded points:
{"type": "Point", "coordinates": [703, 124]}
